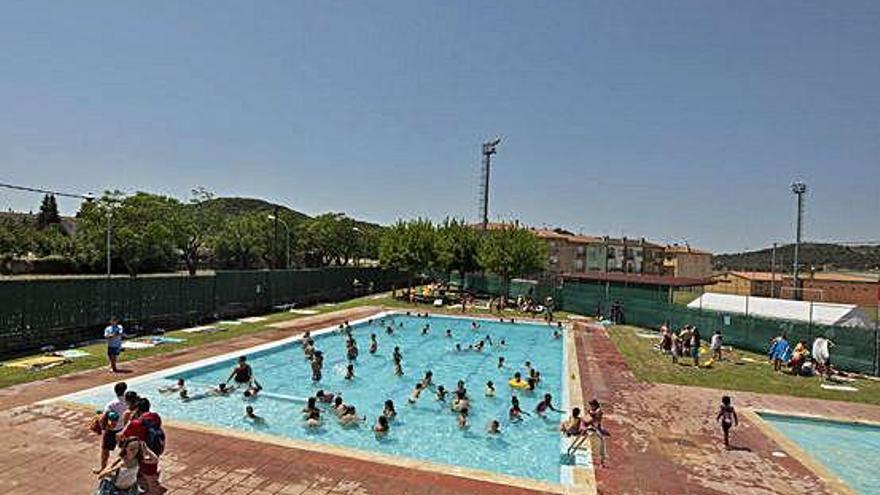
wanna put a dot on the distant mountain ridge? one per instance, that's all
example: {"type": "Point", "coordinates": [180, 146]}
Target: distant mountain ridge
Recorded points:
{"type": "Point", "coordinates": [822, 256]}
{"type": "Point", "coordinates": [231, 206]}
{"type": "Point", "coordinates": [236, 206]}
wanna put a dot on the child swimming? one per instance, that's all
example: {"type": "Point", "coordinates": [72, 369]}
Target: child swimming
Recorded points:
{"type": "Point", "coordinates": [441, 393]}
{"type": "Point", "coordinates": [417, 391]}
{"type": "Point", "coordinates": [389, 412]}
{"type": "Point", "coordinates": [490, 389]}
{"type": "Point", "coordinates": [381, 427]}
{"type": "Point", "coordinates": [449, 333]}
{"type": "Point", "coordinates": [253, 389]}
{"type": "Point", "coordinates": [460, 402]}
{"type": "Point", "coordinates": [181, 384]}
{"type": "Point", "coordinates": [494, 427]}
{"type": "Point", "coordinates": [349, 417]}
{"type": "Point", "coordinates": [374, 344]}
{"type": "Point", "coordinates": [515, 413]}
{"type": "Point", "coordinates": [463, 417]}
{"type": "Point", "coordinates": [249, 414]}
{"type": "Point", "coordinates": [338, 406]}
{"type": "Point", "coordinates": [546, 405]}
{"type": "Point", "coordinates": [324, 397]}
{"type": "Point", "coordinates": [349, 372]}
{"type": "Point", "coordinates": [310, 406]}
{"type": "Point", "coordinates": [500, 362]}
{"type": "Point", "coordinates": [428, 380]}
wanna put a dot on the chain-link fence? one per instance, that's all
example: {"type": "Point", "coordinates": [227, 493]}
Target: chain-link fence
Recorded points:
{"type": "Point", "coordinates": [856, 348]}
{"type": "Point", "coordinates": [61, 311]}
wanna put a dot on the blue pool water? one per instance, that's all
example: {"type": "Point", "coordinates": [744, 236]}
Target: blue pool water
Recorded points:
{"type": "Point", "coordinates": [850, 451]}
{"type": "Point", "coordinates": [426, 430]}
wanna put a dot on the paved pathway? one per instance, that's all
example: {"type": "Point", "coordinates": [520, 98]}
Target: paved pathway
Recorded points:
{"type": "Point", "coordinates": [664, 438]}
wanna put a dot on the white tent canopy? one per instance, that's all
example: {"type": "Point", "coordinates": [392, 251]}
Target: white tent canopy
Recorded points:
{"type": "Point", "coordinates": [821, 313]}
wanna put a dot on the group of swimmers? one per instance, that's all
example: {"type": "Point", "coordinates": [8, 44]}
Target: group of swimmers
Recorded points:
{"type": "Point", "coordinates": [242, 376]}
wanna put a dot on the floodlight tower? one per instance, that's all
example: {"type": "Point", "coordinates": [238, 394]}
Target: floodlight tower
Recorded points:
{"type": "Point", "coordinates": [799, 189]}
{"type": "Point", "coordinates": [489, 149]}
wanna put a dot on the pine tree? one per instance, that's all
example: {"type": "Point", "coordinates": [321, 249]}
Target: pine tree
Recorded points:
{"type": "Point", "coordinates": [48, 212]}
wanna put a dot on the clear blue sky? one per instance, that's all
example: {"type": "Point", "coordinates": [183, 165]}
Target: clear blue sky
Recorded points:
{"type": "Point", "coordinates": [669, 119]}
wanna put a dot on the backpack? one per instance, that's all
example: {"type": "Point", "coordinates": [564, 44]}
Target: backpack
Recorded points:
{"type": "Point", "coordinates": [155, 435]}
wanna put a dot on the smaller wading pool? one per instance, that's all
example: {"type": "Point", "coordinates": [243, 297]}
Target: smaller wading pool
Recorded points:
{"type": "Point", "coordinates": [851, 451]}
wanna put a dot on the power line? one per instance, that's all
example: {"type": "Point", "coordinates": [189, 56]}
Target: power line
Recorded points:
{"type": "Point", "coordinates": [46, 191]}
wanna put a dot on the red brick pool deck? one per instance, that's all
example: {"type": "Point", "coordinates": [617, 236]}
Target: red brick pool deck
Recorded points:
{"type": "Point", "coordinates": [664, 439]}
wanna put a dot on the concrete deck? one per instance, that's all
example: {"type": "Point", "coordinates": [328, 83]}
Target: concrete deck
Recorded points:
{"type": "Point", "coordinates": [663, 440]}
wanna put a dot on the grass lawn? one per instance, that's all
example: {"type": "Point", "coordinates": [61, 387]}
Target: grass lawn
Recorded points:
{"type": "Point", "coordinates": [732, 374]}
{"type": "Point", "coordinates": [12, 375]}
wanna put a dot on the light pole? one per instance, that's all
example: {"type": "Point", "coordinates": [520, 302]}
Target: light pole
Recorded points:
{"type": "Point", "coordinates": [798, 188]}
{"type": "Point", "coordinates": [286, 228]}
{"type": "Point", "coordinates": [489, 149]}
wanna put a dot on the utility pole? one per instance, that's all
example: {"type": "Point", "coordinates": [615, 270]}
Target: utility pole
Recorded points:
{"type": "Point", "coordinates": [275, 239]}
{"type": "Point", "coordinates": [773, 272]}
{"type": "Point", "coordinates": [489, 149]}
{"type": "Point", "coordinates": [798, 188]}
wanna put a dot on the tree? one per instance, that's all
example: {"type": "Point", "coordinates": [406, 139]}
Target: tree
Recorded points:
{"type": "Point", "coordinates": [193, 225]}
{"type": "Point", "coordinates": [48, 214]}
{"type": "Point", "coordinates": [141, 227]}
{"type": "Point", "coordinates": [241, 240]}
{"type": "Point", "coordinates": [409, 247]}
{"type": "Point", "coordinates": [457, 246]}
{"type": "Point", "coordinates": [511, 252]}
{"type": "Point", "coordinates": [333, 238]}
{"type": "Point", "coordinates": [15, 236]}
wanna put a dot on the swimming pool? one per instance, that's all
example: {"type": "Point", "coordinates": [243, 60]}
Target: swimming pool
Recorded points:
{"type": "Point", "coordinates": [426, 430]}
{"type": "Point", "coordinates": [851, 451]}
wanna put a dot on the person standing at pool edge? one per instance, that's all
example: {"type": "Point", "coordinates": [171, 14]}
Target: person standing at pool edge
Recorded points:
{"type": "Point", "coordinates": [113, 334]}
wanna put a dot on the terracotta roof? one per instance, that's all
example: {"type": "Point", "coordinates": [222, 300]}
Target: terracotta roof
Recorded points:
{"type": "Point", "coordinates": [636, 278]}
{"type": "Point", "coordinates": [838, 277]}
{"type": "Point", "coordinates": [549, 234]}
{"type": "Point", "coordinates": [678, 248]}
{"type": "Point", "coordinates": [831, 277]}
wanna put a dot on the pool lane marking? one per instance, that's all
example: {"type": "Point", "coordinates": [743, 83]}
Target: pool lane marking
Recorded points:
{"type": "Point", "coordinates": [825, 475]}
{"type": "Point", "coordinates": [201, 363]}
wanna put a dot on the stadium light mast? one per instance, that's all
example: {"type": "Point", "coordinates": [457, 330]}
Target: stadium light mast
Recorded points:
{"type": "Point", "coordinates": [489, 149]}
{"type": "Point", "coordinates": [798, 188]}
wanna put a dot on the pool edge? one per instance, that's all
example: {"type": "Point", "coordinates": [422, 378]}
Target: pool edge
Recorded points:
{"type": "Point", "coordinates": [794, 450]}
{"type": "Point", "coordinates": [582, 477]}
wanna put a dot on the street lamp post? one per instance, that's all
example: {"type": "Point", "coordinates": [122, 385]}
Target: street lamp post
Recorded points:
{"type": "Point", "coordinates": [287, 229]}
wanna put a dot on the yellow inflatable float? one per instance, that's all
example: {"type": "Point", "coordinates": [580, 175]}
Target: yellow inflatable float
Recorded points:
{"type": "Point", "coordinates": [518, 383]}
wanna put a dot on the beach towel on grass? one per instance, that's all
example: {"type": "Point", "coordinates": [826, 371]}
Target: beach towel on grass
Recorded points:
{"type": "Point", "coordinates": [135, 344]}
{"type": "Point", "coordinates": [72, 353]}
{"type": "Point", "coordinates": [254, 319]}
{"type": "Point", "coordinates": [839, 388]}
{"type": "Point", "coordinates": [203, 329]}
{"type": "Point", "coordinates": [38, 362]}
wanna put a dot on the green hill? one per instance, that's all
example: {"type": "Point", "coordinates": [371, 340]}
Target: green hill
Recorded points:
{"type": "Point", "coordinates": [237, 206]}
{"type": "Point", "coordinates": [821, 256]}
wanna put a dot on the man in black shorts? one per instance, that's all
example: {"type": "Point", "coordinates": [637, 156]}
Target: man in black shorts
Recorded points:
{"type": "Point", "coordinates": [242, 373]}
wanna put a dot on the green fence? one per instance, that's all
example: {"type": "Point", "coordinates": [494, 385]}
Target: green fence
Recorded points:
{"type": "Point", "coordinates": [61, 311]}
{"type": "Point", "coordinates": [856, 348]}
